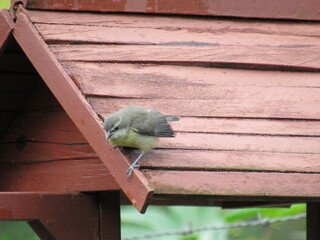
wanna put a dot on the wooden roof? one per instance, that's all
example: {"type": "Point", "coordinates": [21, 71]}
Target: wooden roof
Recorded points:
{"type": "Point", "coordinates": [247, 92]}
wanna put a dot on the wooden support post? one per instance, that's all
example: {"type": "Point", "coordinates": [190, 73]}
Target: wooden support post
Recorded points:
{"type": "Point", "coordinates": [313, 221]}
{"type": "Point", "coordinates": [65, 216]}
{"type": "Point", "coordinates": [109, 206]}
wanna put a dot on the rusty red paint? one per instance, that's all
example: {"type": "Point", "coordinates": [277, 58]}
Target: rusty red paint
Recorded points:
{"type": "Point", "coordinates": [63, 216]}
{"type": "Point", "coordinates": [6, 27]}
{"type": "Point", "coordinates": [75, 105]}
{"type": "Point", "coordinates": [306, 10]}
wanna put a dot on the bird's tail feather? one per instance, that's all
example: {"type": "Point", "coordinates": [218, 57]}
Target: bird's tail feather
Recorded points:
{"type": "Point", "coordinates": [172, 118]}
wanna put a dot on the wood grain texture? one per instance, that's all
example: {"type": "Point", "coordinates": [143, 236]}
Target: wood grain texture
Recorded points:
{"type": "Point", "coordinates": [235, 184]}
{"type": "Point", "coordinates": [189, 23]}
{"type": "Point", "coordinates": [243, 130]}
{"type": "Point", "coordinates": [44, 151]}
{"type": "Point", "coordinates": [81, 113]}
{"type": "Point", "coordinates": [211, 47]}
{"type": "Point", "coordinates": [305, 10]}
{"type": "Point", "coordinates": [180, 39]}
{"type": "Point", "coordinates": [230, 160]}
{"type": "Point", "coordinates": [216, 108]}
{"type": "Point", "coordinates": [263, 56]}
{"type": "Point", "coordinates": [79, 175]}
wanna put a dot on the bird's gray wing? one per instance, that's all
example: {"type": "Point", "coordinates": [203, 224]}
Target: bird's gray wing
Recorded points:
{"type": "Point", "coordinates": [152, 123]}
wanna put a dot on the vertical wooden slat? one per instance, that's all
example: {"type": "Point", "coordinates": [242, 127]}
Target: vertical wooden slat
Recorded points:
{"type": "Point", "coordinates": [109, 204]}
{"type": "Point", "coordinates": [313, 221]}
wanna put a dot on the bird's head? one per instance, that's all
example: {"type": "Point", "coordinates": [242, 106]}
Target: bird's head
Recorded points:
{"type": "Point", "coordinates": [112, 124]}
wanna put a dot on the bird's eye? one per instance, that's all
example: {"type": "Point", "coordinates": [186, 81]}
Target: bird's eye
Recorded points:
{"type": "Point", "coordinates": [116, 129]}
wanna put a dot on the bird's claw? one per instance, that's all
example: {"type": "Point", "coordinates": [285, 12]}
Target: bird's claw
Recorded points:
{"type": "Point", "coordinates": [130, 170]}
{"type": "Point", "coordinates": [114, 147]}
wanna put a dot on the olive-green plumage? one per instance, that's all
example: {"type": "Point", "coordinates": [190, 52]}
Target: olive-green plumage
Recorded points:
{"type": "Point", "coordinates": [137, 127]}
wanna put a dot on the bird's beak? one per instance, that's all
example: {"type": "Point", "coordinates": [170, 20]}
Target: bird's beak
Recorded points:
{"type": "Point", "coordinates": [108, 135]}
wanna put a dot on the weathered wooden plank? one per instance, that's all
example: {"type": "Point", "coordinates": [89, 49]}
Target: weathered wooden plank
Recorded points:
{"type": "Point", "coordinates": [178, 36]}
{"type": "Point", "coordinates": [240, 184]}
{"type": "Point", "coordinates": [29, 151]}
{"type": "Point", "coordinates": [215, 108]}
{"type": "Point", "coordinates": [242, 143]}
{"type": "Point", "coordinates": [259, 55]}
{"type": "Point", "coordinates": [230, 160]}
{"type": "Point", "coordinates": [96, 78]}
{"type": "Point", "coordinates": [74, 103]}
{"type": "Point", "coordinates": [176, 22]}
{"type": "Point", "coordinates": [257, 9]}
{"type": "Point", "coordinates": [45, 127]}
{"type": "Point", "coordinates": [57, 176]}
{"type": "Point", "coordinates": [248, 126]}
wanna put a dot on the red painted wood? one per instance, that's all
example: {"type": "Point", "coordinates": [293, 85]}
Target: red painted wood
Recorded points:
{"type": "Point", "coordinates": [231, 160]}
{"type": "Point", "coordinates": [239, 184]}
{"type": "Point", "coordinates": [248, 126]}
{"type": "Point", "coordinates": [44, 151]}
{"type": "Point", "coordinates": [64, 216]}
{"type": "Point", "coordinates": [57, 176]}
{"type": "Point", "coordinates": [195, 83]}
{"type": "Point", "coordinates": [173, 39]}
{"type": "Point", "coordinates": [249, 108]}
{"type": "Point", "coordinates": [176, 23]}
{"type": "Point", "coordinates": [6, 27]}
{"type": "Point", "coordinates": [180, 39]}
{"type": "Point", "coordinates": [313, 220]}
{"type": "Point", "coordinates": [79, 110]}
{"type": "Point", "coordinates": [306, 10]}
{"type": "Point", "coordinates": [109, 206]}
{"type": "Point", "coordinates": [272, 57]}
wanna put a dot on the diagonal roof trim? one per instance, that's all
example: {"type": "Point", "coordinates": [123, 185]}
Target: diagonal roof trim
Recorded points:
{"type": "Point", "coordinates": [6, 27]}
{"type": "Point", "coordinates": [81, 113]}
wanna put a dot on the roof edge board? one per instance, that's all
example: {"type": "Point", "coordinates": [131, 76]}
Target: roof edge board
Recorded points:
{"type": "Point", "coordinates": [272, 9]}
{"type": "Point", "coordinates": [6, 27]}
{"type": "Point", "coordinates": [79, 110]}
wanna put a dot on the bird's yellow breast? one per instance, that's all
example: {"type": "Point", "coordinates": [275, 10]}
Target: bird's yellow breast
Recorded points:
{"type": "Point", "coordinates": [131, 138]}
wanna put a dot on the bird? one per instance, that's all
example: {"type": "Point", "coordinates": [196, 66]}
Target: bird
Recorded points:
{"type": "Point", "coordinates": [137, 127]}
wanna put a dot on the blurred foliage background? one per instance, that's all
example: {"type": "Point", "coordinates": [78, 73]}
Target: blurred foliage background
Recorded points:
{"type": "Point", "coordinates": [159, 219]}
{"type": "Point", "coordinates": [4, 4]}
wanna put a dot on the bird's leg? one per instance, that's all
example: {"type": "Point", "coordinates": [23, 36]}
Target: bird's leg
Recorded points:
{"type": "Point", "coordinates": [134, 165]}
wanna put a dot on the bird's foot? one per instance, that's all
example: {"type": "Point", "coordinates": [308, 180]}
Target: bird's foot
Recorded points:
{"type": "Point", "coordinates": [114, 147]}
{"type": "Point", "coordinates": [130, 170]}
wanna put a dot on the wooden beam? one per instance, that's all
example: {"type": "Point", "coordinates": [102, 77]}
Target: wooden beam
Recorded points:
{"type": "Point", "coordinates": [236, 184]}
{"type": "Point", "coordinates": [313, 221]}
{"type": "Point", "coordinates": [64, 216]}
{"type": "Point", "coordinates": [283, 9]}
{"type": "Point", "coordinates": [76, 106]}
{"type": "Point", "coordinates": [6, 27]}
